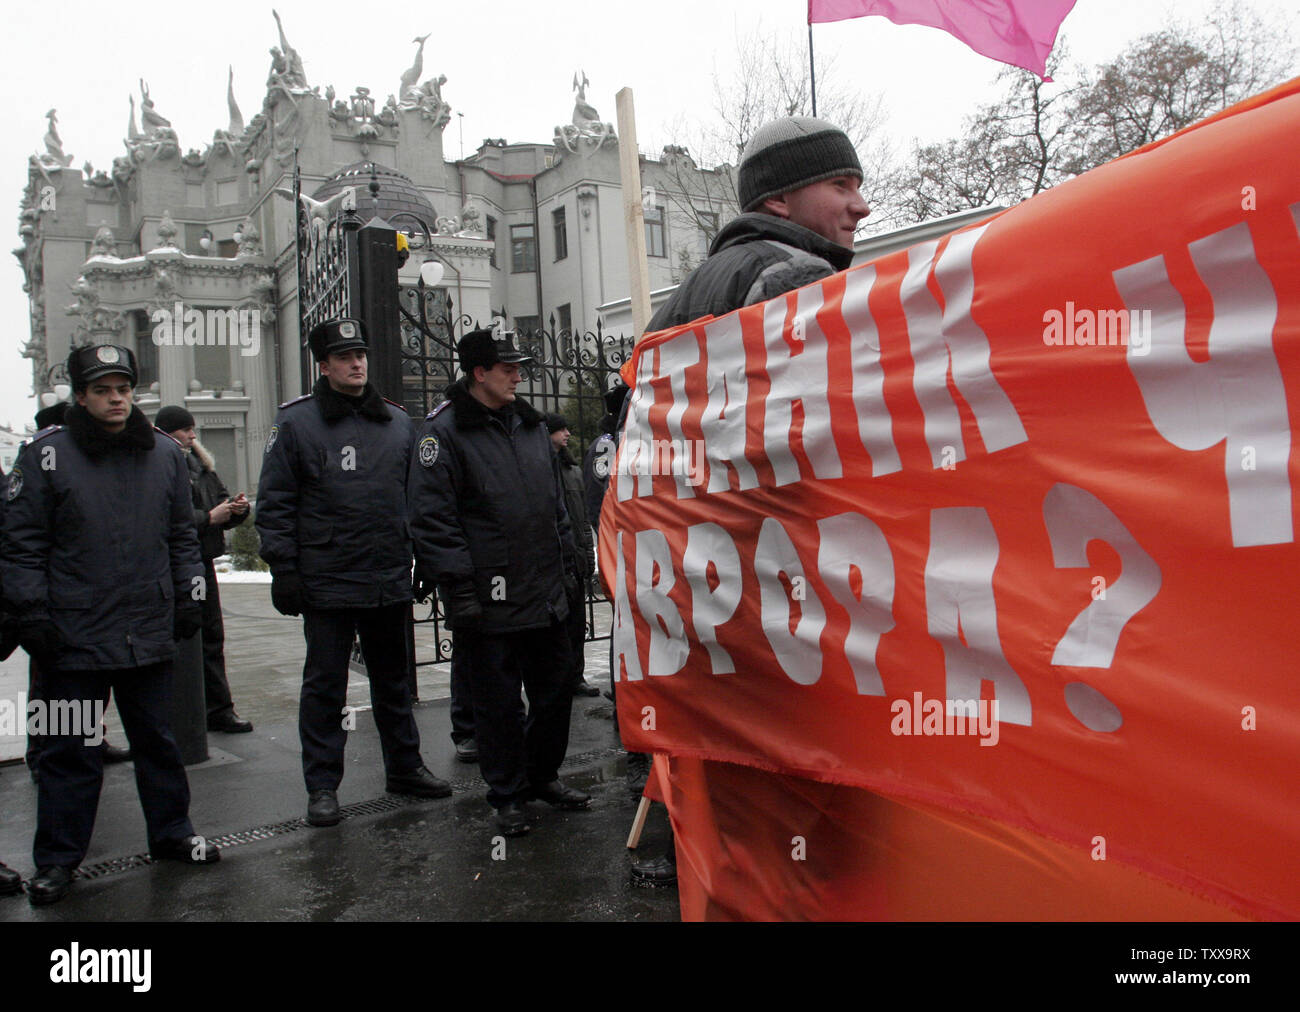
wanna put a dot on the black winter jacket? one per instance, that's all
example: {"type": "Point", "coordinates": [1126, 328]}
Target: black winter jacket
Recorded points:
{"type": "Point", "coordinates": [571, 480]}
{"type": "Point", "coordinates": [99, 538]}
{"type": "Point", "coordinates": [208, 492]}
{"type": "Point", "coordinates": [331, 502]}
{"type": "Point", "coordinates": [486, 504]}
{"type": "Point", "coordinates": [753, 258]}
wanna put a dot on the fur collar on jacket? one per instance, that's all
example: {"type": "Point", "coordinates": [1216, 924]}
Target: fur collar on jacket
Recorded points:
{"type": "Point", "coordinates": [471, 413]}
{"type": "Point", "coordinates": [94, 441]}
{"type": "Point", "coordinates": [201, 456]}
{"type": "Point", "coordinates": [335, 406]}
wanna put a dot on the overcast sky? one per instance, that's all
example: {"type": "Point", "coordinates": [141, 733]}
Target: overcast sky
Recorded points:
{"type": "Point", "coordinates": [509, 67]}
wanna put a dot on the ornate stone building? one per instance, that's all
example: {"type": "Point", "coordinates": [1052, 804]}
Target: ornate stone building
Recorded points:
{"type": "Point", "coordinates": [189, 257]}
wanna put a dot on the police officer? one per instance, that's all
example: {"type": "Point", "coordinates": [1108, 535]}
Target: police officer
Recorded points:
{"type": "Point", "coordinates": [11, 883]}
{"type": "Point", "coordinates": [488, 519]}
{"type": "Point", "coordinates": [102, 571]}
{"type": "Point", "coordinates": [331, 512]}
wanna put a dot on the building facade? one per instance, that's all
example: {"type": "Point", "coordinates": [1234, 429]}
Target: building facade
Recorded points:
{"type": "Point", "coordinates": [191, 258]}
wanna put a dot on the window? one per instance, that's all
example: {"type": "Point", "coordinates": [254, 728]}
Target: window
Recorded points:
{"type": "Point", "coordinates": [228, 191]}
{"type": "Point", "coordinates": [564, 330]}
{"type": "Point", "coordinates": [708, 221]}
{"type": "Point", "coordinates": [527, 326]}
{"type": "Point", "coordinates": [146, 351]}
{"type": "Point", "coordinates": [654, 232]}
{"type": "Point", "coordinates": [561, 233]}
{"type": "Point", "coordinates": [523, 249]}
{"type": "Point", "coordinates": [492, 234]}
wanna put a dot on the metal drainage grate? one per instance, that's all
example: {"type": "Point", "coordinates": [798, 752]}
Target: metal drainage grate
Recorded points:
{"type": "Point", "coordinates": [375, 806]}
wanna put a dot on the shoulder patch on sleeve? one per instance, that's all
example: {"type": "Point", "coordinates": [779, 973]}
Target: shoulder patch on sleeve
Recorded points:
{"type": "Point", "coordinates": [296, 400]}
{"type": "Point", "coordinates": [15, 484]}
{"type": "Point", "coordinates": [427, 450]}
{"type": "Point", "coordinates": [437, 411]}
{"type": "Point", "coordinates": [271, 437]}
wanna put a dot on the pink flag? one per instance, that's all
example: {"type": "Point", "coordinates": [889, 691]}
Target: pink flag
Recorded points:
{"type": "Point", "coordinates": [1019, 32]}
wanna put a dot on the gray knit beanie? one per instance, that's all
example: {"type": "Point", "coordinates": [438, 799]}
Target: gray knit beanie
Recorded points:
{"type": "Point", "coordinates": [789, 153]}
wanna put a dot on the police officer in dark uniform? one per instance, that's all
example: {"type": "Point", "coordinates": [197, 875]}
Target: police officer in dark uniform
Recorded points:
{"type": "Point", "coordinates": [331, 512]}
{"type": "Point", "coordinates": [11, 883]}
{"type": "Point", "coordinates": [102, 570]}
{"type": "Point", "coordinates": [488, 519]}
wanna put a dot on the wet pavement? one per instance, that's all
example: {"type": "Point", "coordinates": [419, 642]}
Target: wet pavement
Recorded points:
{"type": "Point", "coordinates": [391, 858]}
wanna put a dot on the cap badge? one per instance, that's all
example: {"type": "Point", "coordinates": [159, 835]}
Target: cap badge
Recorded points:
{"type": "Point", "coordinates": [347, 329]}
{"type": "Point", "coordinates": [108, 356]}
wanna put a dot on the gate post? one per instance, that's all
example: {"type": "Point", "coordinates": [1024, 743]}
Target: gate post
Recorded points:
{"type": "Point", "coordinates": [378, 306]}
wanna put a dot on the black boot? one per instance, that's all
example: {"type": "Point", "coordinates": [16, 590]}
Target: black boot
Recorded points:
{"type": "Point", "coordinates": [11, 883]}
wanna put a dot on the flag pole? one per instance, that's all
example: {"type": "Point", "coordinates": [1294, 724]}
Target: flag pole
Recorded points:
{"type": "Point", "coordinates": [812, 67]}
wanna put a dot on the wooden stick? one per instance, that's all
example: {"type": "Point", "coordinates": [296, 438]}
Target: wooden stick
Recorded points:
{"type": "Point", "coordinates": [638, 824]}
{"type": "Point", "coordinates": [629, 159]}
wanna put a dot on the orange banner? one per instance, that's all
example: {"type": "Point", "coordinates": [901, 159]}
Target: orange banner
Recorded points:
{"type": "Point", "coordinates": [1001, 526]}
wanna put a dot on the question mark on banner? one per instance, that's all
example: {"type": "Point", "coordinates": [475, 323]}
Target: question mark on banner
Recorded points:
{"type": "Point", "coordinates": [1073, 518]}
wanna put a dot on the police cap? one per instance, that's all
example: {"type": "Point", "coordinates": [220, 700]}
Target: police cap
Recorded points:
{"type": "Point", "coordinates": [487, 348]}
{"type": "Point", "coordinates": [335, 336]}
{"type": "Point", "coordinates": [96, 360]}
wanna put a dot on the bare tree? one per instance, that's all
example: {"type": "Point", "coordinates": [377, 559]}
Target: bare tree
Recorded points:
{"type": "Point", "coordinates": [1169, 79]}
{"type": "Point", "coordinates": [770, 80]}
{"type": "Point", "coordinates": [1040, 133]}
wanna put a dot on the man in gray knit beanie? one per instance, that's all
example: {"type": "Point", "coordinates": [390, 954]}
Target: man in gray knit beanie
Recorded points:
{"type": "Point", "coordinates": [799, 180]}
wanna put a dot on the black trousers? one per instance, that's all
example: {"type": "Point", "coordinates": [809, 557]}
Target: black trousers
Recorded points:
{"type": "Point", "coordinates": [462, 695]}
{"type": "Point", "coordinates": [515, 751]}
{"type": "Point", "coordinates": [576, 627]}
{"type": "Point", "coordinates": [72, 772]}
{"type": "Point", "coordinates": [216, 688]}
{"type": "Point", "coordinates": [329, 634]}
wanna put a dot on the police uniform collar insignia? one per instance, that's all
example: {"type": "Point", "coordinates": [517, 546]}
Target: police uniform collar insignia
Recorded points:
{"type": "Point", "coordinates": [428, 450]}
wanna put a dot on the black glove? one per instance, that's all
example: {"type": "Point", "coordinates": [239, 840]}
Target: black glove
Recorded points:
{"type": "Point", "coordinates": [422, 585]}
{"type": "Point", "coordinates": [286, 592]}
{"type": "Point", "coordinates": [41, 640]}
{"type": "Point", "coordinates": [463, 608]}
{"type": "Point", "coordinates": [8, 636]}
{"type": "Point", "coordinates": [187, 621]}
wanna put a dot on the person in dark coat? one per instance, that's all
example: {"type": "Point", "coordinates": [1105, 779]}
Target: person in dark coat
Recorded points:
{"type": "Point", "coordinates": [55, 414]}
{"type": "Point", "coordinates": [101, 570]}
{"type": "Point", "coordinates": [490, 528]}
{"type": "Point", "coordinates": [331, 512]}
{"type": "Point", "coordinates": [11, 882]}
{"type": "Point", "coordinates": [215, 512]}
{"type": "Point", "coordinates": [571, 476]}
